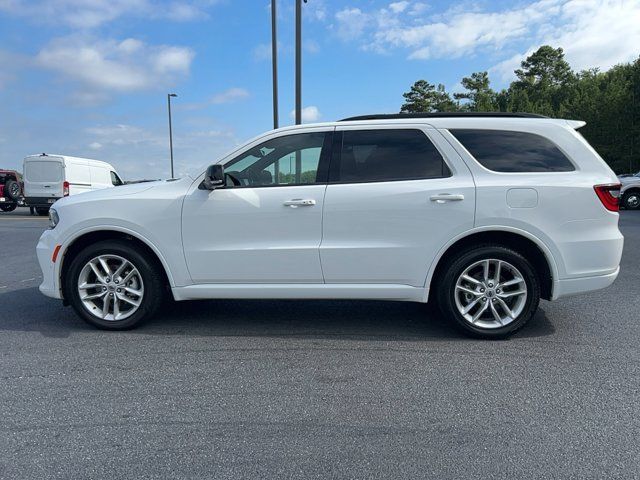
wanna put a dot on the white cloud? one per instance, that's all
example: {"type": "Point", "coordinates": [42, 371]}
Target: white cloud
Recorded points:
{"type": "Point", "coordinates": [398, 7]}
{"type": "Point", "coordinates": [309, 114]}
{"type": "Point", "coordinates": [115, 66]}
{"type": "Point", "coordinates": [230, 95]}
{"type": "Point", "coordinates": [351, 23]}
{"type": "Point", "coordinates": [593, 33]}
{"type": "Point", "coordinates": [87, 14]}
{"type": "Point", "coordinates": [142, 152]}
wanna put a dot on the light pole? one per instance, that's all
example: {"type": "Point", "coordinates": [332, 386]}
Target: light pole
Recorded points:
{"type": "Point", "coordinates": [169, 95]}
{"type": "Point", "coordinates": [274, 61]}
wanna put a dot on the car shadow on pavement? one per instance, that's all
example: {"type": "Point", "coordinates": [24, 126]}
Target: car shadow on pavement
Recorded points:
{"type": "Point", "coordinates": [28, 310]}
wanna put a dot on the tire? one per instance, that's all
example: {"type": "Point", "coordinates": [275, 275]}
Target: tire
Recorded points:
{"type": "Point", "coordinates": [455, 293]}
{"type": "Point", "coordinates": [42, 211]}
{"type": "Point", "coordinates": [631, 200]}
{"type": "Point", "coordinates": [148, 280]}
{"type": "Point", "coordinates": [8, 207]}
{"type": "Point", "coordinates": [12, 190]}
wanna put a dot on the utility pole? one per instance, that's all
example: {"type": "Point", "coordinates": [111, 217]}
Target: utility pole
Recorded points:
{"type": "Point", "coordinates": [169, 95]}
{"type": "Point", "coordinates": [274, 61]}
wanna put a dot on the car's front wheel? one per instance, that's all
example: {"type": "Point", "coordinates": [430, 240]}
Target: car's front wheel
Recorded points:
{"type": "Point", "coordinates": [111, 285]}
{"type": "Point", "coordinates": [489, 291]}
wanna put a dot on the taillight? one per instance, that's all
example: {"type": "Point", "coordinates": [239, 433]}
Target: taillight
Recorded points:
{"type": "Point", "coordinates": [65, 189]}
{"type": "Point", "coordinates": [609, 195]}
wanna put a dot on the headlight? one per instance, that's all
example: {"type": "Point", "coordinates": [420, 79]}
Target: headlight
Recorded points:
{"type": "Point", "coordinates": [53, 218]}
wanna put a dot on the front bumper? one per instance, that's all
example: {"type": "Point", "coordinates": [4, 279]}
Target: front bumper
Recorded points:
{"type": "Point", "coordinates": [50, 285]}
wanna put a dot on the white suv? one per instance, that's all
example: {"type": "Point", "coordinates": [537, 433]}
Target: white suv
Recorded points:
{"type": "Point", "coordinates": [485, 214]}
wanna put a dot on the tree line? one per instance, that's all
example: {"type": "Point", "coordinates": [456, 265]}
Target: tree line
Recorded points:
{"type": "Point", "coordinates": [608, 101]}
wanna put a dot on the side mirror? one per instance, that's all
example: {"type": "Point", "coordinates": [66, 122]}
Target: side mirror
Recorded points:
{"type": "Point", "coordinates": [214, 178]}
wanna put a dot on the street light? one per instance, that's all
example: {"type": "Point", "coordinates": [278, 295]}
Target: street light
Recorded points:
{"type": "Point", "coordinates": [169, 95]}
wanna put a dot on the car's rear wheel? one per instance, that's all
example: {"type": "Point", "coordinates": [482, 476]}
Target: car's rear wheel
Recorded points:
{"type": "Point", "coordinates": [631, 200]}
{"type": "Point", "coordinates": [112, 286]}
{"type": "Point", "coordinates": [8, 207]}
{"type": "Point", "coordinates": [489, 291]}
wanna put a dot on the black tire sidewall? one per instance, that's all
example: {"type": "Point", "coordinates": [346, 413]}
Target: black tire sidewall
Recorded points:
{"type": "Point", "coordinates": [454, 269]}
{"type": "Point", "coordinates": [8, 207]}
{"type": "Point", "coordinates": [151, 278]}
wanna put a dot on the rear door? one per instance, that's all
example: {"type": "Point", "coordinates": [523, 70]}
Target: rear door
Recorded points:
{"type": "Point", "coordinates": [43, 177]}
{"type": "Point", "coordinates": [395, 197]}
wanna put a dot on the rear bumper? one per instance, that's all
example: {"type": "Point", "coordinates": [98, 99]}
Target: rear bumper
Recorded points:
{"type": "Point", "coordinates": [574, 286]}
{"type": "Point", "coordinates": [40, 201]}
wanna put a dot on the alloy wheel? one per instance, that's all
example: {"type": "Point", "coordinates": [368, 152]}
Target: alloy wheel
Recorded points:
{"type": "Point", "coordinates": [110, 287]}
{"type": "Point", "coordinates": [490, 293]}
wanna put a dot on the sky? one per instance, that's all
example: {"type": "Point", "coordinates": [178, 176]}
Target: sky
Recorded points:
{"type": "Point", "coordinates": [90, 78]}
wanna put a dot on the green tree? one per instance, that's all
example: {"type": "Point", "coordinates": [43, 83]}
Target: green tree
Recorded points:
{"type": "Point", "coordinates": [480, 96]}
{"type": "Point", "coordinates": [424, 97]}
{"type": "Point", "coordinates": [546, 78]}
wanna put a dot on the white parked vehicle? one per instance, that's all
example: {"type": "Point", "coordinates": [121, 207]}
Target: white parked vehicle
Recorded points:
{"type": "Point", "coordinates": [485, 214]}
{"type": "Point", "coordinates": [50, 177]}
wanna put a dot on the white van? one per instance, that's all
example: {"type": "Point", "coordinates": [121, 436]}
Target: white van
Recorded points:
{"type": "Point", "coordinates": [50, 177]}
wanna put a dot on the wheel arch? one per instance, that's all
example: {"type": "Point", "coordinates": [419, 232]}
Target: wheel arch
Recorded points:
{"type": "Point", "coordinates": [528, 245]}
{"type": "Point", "coordinates": [84, 238]}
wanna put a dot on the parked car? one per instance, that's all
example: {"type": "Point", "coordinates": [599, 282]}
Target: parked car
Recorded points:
{"type": "Point", "coordinates": [630, 192]}
{"type": "Point", "coordinates": [10, 190]}
{"type": "Point", "coordinates": [50, 177]}
{"type": "Point", "coordinates": [484, 214]}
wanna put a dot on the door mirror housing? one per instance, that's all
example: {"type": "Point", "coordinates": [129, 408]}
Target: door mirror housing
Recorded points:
{"type": "Point", "coordinates": [213, 178]}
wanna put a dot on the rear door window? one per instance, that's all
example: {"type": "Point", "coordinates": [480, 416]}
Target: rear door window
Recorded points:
{"type": "Point", "coordinates": [386, 155]}
{"type": "Point", "coordinates": [43, 171]}
{"type": "Point", "coordinates": [508, 151]}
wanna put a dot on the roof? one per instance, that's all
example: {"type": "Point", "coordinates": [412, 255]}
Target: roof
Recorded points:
{"type": "Point", "coordinates": [402, 116]}
{"type": "Point", "coordinates": [90, 161]}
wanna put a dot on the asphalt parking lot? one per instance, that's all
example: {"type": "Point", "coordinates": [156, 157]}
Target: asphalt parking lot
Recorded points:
{"type": "Point", "coordinates": [311, 389]}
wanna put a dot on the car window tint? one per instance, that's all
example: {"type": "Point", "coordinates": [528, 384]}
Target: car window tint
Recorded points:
{"type": "Point", "coordinates": [508, 151]}
{"type": "Point", "coordinates": [286, 160]}
{"type": "Point", "coordinates": [387, 155]}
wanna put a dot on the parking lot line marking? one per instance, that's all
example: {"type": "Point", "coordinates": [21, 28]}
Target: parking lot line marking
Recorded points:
{"type": "Point", "coordinates": [27, 280]}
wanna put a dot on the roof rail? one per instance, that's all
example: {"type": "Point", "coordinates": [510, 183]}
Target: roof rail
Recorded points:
{"type": "Point", "coordinates": [394, 116]}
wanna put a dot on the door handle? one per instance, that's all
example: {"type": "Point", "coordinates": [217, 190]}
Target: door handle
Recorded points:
{"type": "Point", "coordinates": [446, 197]}
{"type": "Point", "coordinates": [300, 202]}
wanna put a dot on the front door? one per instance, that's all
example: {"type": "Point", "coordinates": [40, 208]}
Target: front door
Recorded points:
{"type": "Point", "coordinates": [265, 225]}
{"type": "Point", "coordinates": [392, 202]}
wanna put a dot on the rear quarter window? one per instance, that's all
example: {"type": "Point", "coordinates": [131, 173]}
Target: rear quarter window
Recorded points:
{"type": "Point", "coordinates": [508, 151]}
